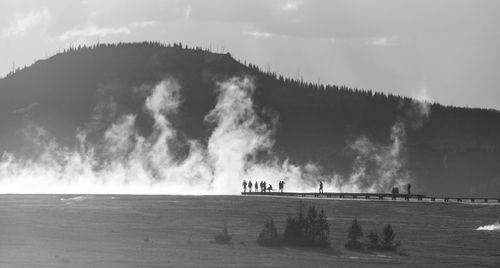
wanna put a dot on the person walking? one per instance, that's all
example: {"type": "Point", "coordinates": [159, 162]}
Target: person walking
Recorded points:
{"type": "Point", "coordinates": [408, 191]}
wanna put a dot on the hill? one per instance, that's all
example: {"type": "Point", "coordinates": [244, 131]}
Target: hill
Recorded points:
{"type": "Point", "coordinates": [358, 135]}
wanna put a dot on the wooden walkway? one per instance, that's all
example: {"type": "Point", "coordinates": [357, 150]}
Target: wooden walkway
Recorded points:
{"type": "Point", "coordinates": [377, 196]}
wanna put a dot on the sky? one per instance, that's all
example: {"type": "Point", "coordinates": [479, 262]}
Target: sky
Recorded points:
{"type": "Point", "coordinates": [438, 50]}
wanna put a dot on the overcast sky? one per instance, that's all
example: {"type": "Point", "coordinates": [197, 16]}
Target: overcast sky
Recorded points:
{"type": "Point", "coordinates": [442, 50]}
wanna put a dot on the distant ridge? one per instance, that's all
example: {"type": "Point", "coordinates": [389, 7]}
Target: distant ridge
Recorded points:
{"type": "Point", "coordinates": [448, 150]}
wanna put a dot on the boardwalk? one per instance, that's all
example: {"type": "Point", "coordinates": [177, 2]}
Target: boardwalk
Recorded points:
{"type": "Point", "coordinates": [378, 196]}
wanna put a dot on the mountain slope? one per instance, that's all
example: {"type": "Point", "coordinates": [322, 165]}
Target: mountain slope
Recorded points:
{"type": "Point", "coordinates": [345, 132]}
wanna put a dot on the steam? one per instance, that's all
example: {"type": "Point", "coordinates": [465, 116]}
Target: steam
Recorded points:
{"type": "Point", "coordinates": [377, 168]}
{"type": "Point", "coordinates": [128, 162]}
{"type": "Point", "coordinates": [419, 110]}
{"type": "Point", "coordinates": [491, 227]}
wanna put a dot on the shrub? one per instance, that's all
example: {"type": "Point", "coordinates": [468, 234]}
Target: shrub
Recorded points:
{"type": "Point", "coordinates": [388, 237]}
{"type": "Point", "coordinates": [325, 228]}
{"type": "Point", "coordinates": [223, 236]}
{"type": "Point", "coordinates": [373, 242]}
{"type": "Point", "coordinates": [355, 232]}
{"type": "Point", "coordinates": [294, 229]}
{"type": "Point", "coordinates": [269, 236]}
{"type": "Point", "coordinates": [311, 231]}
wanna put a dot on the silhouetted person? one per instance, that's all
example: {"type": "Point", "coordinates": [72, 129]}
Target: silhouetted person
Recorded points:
{"type": "Point", "coordinates": [282, 186]}
{"type": "Point", "coordinates": [244, 185]}
{"type": "Point", "coordinates": [270, 188]}
{"type": "Point", "coordinates": [320, 187]}
{"type": "Point", "coordinates": [395, 191]}
{"type": "Point", "coordinates": [256, 186]}
{"type": "Point", "coordinates": [265, 186]}
{"type": "Point", "coordinates": [408, 187]}
{"type": "Point", "coordinates": [262, 189]}
{"type": "Point", "coordinates": [250, 186]}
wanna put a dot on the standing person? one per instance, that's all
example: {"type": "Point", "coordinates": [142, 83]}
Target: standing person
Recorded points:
{"type": "Point", "coordinates": [409, 189]}
{"type": "Point", "coordinates": [279, 186]}
{"type": "Point", "coordinates": [244, 186]}
{"type": "Point", "coordinates": [320, 187]}
{"type": "Point", "coordinates": [262, 186]}
{"type": "Point", "coordinates": [250, 186]}
{"type": "Point", "coordinates": [282, 186]}
{"type": "Point", "coordinates": [256, 186]}
{"type": "Point", "coordinates": [265, 186]}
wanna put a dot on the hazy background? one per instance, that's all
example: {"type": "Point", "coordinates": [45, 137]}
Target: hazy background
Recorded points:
{"type": "Point", "coordinates": [445, 50]}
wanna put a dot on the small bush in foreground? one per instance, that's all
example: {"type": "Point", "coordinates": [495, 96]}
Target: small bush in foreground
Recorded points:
{"type": "Point", "coordinates": [223, 236]}
{"type": "Point", "coordinates": [373, 242]}
{"type": "Point", "coordinates": [269, 236]}
{"type": "Point", "coordinates": [388, 238]}
{"type": "Point", "coordinates": [355, 232]}
{"type": "Point", "coordinates": [307, 231]}
{"type": "Point", "coordinates": [310, 231]}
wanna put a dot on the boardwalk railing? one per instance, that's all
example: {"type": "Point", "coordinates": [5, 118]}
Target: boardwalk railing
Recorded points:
{"type": "Point", "coordinates": [378, 196]}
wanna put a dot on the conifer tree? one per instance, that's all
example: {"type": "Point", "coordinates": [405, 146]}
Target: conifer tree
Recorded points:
{"type": "Point", "coordinates": [354, 234]}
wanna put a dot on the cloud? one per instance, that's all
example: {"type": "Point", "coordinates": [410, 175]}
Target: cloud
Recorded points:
{"type": "Point", "coordinates": [92, 30]}
{"type": "Point", "coordinates": [185, 12]}
{"type": "Point", "coordinates": [381, 41]}
{"type": "Point", "coordinates": [260, 34]}
{"type": "Point", "coordinates": [141, 24]}
{"type": "Point", "coordinates": [23, 23]}
{"type": "Point", "coordinates": [291, 5]}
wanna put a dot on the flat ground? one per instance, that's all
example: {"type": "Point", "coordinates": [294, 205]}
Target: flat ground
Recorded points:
{"type": "Point", "coordinates": [176, 231]}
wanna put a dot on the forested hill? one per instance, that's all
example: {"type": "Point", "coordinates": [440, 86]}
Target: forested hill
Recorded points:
{"type": "Point", "coordinates": [446, 150]}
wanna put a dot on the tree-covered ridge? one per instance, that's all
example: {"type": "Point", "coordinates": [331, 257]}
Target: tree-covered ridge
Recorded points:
{"type": "Point", "coordinates": [449, 150]}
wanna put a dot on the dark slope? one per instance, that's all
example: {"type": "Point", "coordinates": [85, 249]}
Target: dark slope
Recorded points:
{"type": "Point", "coordinates": [453, 151]}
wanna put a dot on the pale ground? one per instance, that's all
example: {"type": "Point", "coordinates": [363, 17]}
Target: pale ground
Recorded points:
{"type": "Point", "coordinates": [153, 231]}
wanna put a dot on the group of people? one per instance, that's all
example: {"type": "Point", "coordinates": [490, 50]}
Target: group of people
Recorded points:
{"type": "Point", "coordinates": [264, 187]}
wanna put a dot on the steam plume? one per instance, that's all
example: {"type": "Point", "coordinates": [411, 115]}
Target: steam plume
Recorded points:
{"type": "Point", "coordinates": [127, 162]}
{"type": "Point", "coordinates": [377, 168]}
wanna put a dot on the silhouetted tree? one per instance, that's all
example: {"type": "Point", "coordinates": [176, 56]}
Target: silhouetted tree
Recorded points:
{"type": "Point", "coordinates": [354, 233]}
{"type": "Point", "coordinates": [373, 242]}
{"type": "Point", "coordinates": [269, 235]}
{"type": "Point", "coordinates": [312, 230]}
{"type": "Point", "coordinates": [388, 239]}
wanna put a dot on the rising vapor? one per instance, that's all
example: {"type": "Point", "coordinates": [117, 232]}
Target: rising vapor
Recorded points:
{"type": "Point", "coordinates": [128, 162]}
